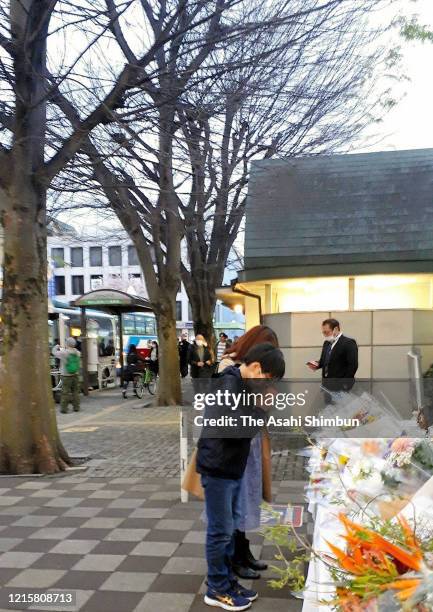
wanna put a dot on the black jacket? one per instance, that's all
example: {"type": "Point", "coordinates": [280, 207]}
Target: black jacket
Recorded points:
{"type": "Point", "coordinates": [342, 365]}
{"type": "Point", "coordinates": [196, 371]}
{"type": "Point", "coordinates": [226, 457]}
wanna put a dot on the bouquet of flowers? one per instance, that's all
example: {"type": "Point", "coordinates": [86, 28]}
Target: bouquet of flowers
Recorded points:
{"type": "Point", "coordinates": [409, 463]}
{"type": "Point", "coordinates": [384, 558]}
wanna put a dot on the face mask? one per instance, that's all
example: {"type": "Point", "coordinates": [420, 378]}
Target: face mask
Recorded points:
{"type": "Point", "coordinates": [330, 338]}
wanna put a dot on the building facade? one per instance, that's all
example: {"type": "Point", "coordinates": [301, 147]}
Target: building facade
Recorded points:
{"type": "Point", "coordinates": [78, 266]}
{"type": "Point", "coordinates": [348, 236]}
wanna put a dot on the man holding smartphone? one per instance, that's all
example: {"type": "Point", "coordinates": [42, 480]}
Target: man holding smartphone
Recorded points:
{"type": "Point", "coordinates": [339, 358]}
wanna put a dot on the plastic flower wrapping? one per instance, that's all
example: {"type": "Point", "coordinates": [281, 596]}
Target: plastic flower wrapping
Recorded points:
{"type": "Point", "coordinates": [372, 547]}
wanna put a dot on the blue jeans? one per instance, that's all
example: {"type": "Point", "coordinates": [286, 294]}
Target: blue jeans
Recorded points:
{"type": "Point", "coordinates": [222, 499]}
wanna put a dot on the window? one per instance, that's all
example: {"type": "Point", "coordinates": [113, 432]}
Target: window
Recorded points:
{"type": "Point", "coordinates": [178, 310]}
{"type": "Point", "coordinates": [77, 257]}
{"type": "Point", "coordinates": [59, 285]}
{"type": "Point", "coordinates": [96, 281]}
{"type": "Point", "coordinates": [189, 312]}
{"type": "Point", "coordinates": [115, 255]}
{"type": "Point", "coordinates": [58, 257]}
{"type": "Point", "coordinates": [128, 324]}
{"type": "Point", "coordinates": [95, 255]}
{"type": "Point", "coordinates": [77, 283]}
{"type": "Point", "coordinates": [132, 256]}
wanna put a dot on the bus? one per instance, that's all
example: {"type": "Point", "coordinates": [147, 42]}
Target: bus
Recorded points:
{"type": "Point", "coordinates": [139, 329]}
{"type": "Point", "coordinates": [103, 339]}
{"type": "Point", "coordinates": [102, 343]}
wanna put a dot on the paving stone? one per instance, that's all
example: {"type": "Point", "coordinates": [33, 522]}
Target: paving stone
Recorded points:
{"type": "Point", "coordinates": [8, 543]}
{"type": "Point", "coordinates": [168, 602]}
{"type": "Point", "coordinates": [138, 582]}
{"type": "Point", "coordinates": [178, 525]}
{"type": "Point", "coordinates": [102, 522]}
{"type": "Point", "coordinates": [36, 578]}
{"type": "Point", "coordinates": [82, 511]}
{"type": "Point", "coordinates": [34, 521]}
{"type": "Point", "coordinates": [18, 559]}
{"type": "Point", "coordinates": [52, 533]}
{"type": "Point", "coordinates": [185, 565]}
{"type": "Point", "coordinates": [155, 549]}
{"type": "Point", "coordinates": [81, 597]}
{"type": "Point", "coordinates": [99, 563]}
{"type": "Point", "coordinates": [103, 601]}
{"type": "Point", "coordinates": [127, 535]}
{"type": "Point", "coordinates": [149, 513]}
{"type": "Point", "coordinates": [74, 547]}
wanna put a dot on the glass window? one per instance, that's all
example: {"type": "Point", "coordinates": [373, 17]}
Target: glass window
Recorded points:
{"type": "Point", "coordinates": [59, 285]}
{"type": "Point", "coordinates": [95, 255]}
{"type": "Point", "coordinates": [128, 324]}
{"type": "Point", "coordinates": [140, 324]}
{"type": "Point", "coordinates": [77, 257]}
{"type": "Point", "coordinates": [178, 310]}
{"type": "Point", "coordinates": [115, 255]}
{"type": "Point", "coordinates": [132, 256]}
{"type": "Point", "coordinates": [189, 312]}
{"type": "Point", "coordinates": [77, 284]}
{"type": "Point", "coordinates": [58, 257]}
{"type": "Point", "coordinates": [393, 291]}
{"type": "Point", "coordinates": [96, 281]}
{"type": "Point", "coordinates": [150, 326]}
{"type": "Point", "coordinates": [312, 294]}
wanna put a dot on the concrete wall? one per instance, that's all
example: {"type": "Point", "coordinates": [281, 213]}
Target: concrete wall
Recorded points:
{"type": "Point", "coordinates": [384, 338]}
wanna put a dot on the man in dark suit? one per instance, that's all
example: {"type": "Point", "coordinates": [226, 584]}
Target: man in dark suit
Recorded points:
{"type": "Point", "coordinates": [339, 358]}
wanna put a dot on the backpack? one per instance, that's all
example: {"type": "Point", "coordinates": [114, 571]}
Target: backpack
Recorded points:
{"type": "Point", "coordinates": [72, 364]}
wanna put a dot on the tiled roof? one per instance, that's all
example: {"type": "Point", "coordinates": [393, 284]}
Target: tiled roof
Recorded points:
{"type": "Point", "coordinates": [340, 209]}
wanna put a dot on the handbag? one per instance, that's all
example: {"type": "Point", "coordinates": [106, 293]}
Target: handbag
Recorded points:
{"type": "Point", "coordinates": [191, 481]}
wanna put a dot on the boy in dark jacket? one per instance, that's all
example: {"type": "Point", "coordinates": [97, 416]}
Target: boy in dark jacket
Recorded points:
{"type": "Point", "coordinates": [221, 461]}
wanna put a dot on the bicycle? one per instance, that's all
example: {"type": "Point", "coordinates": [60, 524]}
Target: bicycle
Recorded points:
{"type": "Point", "coordinates": [146, 379]}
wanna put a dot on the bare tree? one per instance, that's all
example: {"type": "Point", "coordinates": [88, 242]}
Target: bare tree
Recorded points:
{"type": "Point", "coordinates": [37, 64]}
{"type": "Point", "coordinates": [306, 96]}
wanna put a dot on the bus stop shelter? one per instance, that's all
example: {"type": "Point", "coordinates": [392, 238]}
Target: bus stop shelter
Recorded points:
{"type": "Point", "coordinates": [113, 302]}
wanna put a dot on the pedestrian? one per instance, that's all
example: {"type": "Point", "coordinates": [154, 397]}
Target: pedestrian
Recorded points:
{"type": "Point", "coordinates": [221, 347]}
{"type": "Point", "coordinates": [154, 357]}
{"type": "Point", "coordinates": [257, 479]}
{"type": "Point", "coordinates": [221, 461]}
{"type": "Point", "coordinates": [132, 368]}
{"type": "Point", "coordinates": [184, 349]}
{"type": "Point", "coordinates": [201, 358]}
{"type": "Point", "coordinates": [70, 363]}
{"type": "Point", "coordinates": [339, 358]}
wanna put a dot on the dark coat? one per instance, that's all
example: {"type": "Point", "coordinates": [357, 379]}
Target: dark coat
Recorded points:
{"type": "Point", "coordinates": [342, 364]}
{"type": "Point", "coordinates": [224, 456]}
{"type": "Point", "coordinates": [200, 372]}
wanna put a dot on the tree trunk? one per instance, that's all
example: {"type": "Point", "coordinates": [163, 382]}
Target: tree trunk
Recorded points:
{"type": "Point", "coordinates": [29, 440]}
{"type": "Point", "coordinates": [169, 388]}
{"type": "Point", "coordinates": [203, 308]}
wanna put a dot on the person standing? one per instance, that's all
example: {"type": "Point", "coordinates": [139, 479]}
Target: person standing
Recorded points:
{"type": "Point", "coordinates": [221, 463]}
{"type": "Point", "coordinates": [132, 367]}
{"type": "Point", "coordinates": [70, 363]}
{"type": "Point", "coordinates": [339, 358]}
{"type": "Point", "coordinates": [184, 349]}
{"type": "Point", "coordinates": [221, 347]}
{"type": "Point", "coordinates": [154, 357]}
{"type": "Point", "coordinates": [256, 483]}
{"type": "Point", "coordinates": [201, 358]}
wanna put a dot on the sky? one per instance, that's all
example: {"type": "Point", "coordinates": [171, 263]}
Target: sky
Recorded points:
{"type": "Point", "coordinates": [410, 124]}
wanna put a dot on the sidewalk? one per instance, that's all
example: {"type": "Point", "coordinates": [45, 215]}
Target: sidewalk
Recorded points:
{"type": "Point", "coordinates": [123, 542]}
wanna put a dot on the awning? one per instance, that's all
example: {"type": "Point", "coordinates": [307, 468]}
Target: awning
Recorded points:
{"type": "Point", "coordinates": [113, 301]}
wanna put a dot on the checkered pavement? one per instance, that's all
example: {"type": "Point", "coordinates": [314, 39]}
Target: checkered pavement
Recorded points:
{"type": "Point", "coordinates": [122, 544]}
